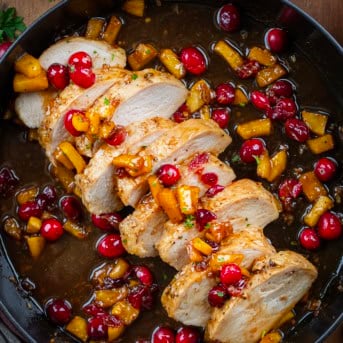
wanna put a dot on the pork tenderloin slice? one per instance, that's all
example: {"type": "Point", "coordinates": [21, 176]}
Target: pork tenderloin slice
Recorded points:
{"type": "Point", "coordinates": [176, 145]}
{"type": "Point", "coordinates": [31, 107]}
{"type": "Point", "coordinates": [244, 203]}
{"type": "Point", "coordinates": [142, 229]}
{"type": "Point", "coordinates": [98, 183]}
{"type": "Point", "coordinates": [101, 52]}
{"type": "Point", "coordinates": [185, 298]}
{"type": "Point", "coordinates": [269, 295]}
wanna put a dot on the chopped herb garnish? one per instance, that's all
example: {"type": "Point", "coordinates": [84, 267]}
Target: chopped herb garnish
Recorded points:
{"type": "Point", "coordinates": [235, 158]}
{"type": "Point", "coordinates": [207, 225]}
{"type": "Point", "coordinates": [134, 76]}
{"type": "Point", "coordinates": [220, 294]}
{"type": "Point", "coordinates": [106, 101]}
{"type": "Point", "coordinates": [112, 57]}
{"type": "Point", "coordinates": [72, 68]}
{"type": "Point", "coordinates": [10, 24]}
{"type": "Point", "coordinates": [294, 243]}
{"type": "Point", "coordinates": [257, 159]}
{"type": "Point", "coordinates": [242, 104]}
{"type": "Point", "coordinates": [221, 259]}
{"type": "Point", "coordinates": [189, 221]}
{"type": "Point", "coordinates": [148, 51]}
{"type": "Point", "coordinates": [95, 52]}
{"type": "Point", "coordinates": [165, 277]}
{"type": "Point", "coordinates": [125, 241]}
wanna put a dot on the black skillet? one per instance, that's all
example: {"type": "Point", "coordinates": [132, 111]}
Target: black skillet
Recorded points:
{"type": "Point", "coordinates": [20, 312]}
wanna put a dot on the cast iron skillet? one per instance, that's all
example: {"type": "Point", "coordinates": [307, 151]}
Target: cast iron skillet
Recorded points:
{"type": "Point", "coordinates": [17, 309]}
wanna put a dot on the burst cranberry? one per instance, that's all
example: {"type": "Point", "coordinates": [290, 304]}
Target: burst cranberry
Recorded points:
{"type": "Point", "coordinates": [296, 129]}
{"type": "Point", "coordinates": [29, 209]}
{"type": "Point", "coordinates": [251, 149]}
{"type": "Point", "coordinates": [325, 169]}
{"type": "Point", "coordinates": [209, 179]}
{"type": "Point", "coordinates": [276, 40]}
{"type": "Point", "coordinates": [144, 275]}
{"type": "Point", "coordinates": [217, 296]}
{"type": "Point", "coordinates": [117, 137]}
{"type": "Point", "coordinates": [329, 226]}
{"type": "Point", "coordinates": [58, 76]}
{"type": "Point", "coordinates": [141, 297]}
{"type": "Point", "coordinates": [211, 192]}
{"type": "Point", "coordinates": [203, 217]}
{"type": "Point", "coordinates": [198, 161]}
{"type": "Point", "coordinates": [97, 329]}
{"type": "Point", "coordinates": [80, 59]}
{"type": "Point", "coordinates": [225, 94]}
{"type": "Point", "coordinates": [290, 188]}
{"type": "Point", "coordinates": [4, 47]}
{"type": "Point", "coordinates": [235, 290]}
{"type": "Point", "coordinates": [110, 246]}
{"type": "Point", "coordinates": [50, 192]}
{"type": "Point", "coordinates": [230, 274]}
{"type": "Point", "coordinates": [193, 60]}
{"type": "Point", "coordinates": [187, 335]}
{"type": "Point", "coordinates": [71, 207]}
{"type": "Point", "coordinates": [221, 116]}
{"type": "Point", "coordinates": [285, 108]}
{"type": "Point", "coordinates": [248, 69]}
{"type": "Point", "coordinates": [260, 100]}
{"type": "Point", "coordinates": [309, 239]}
{"type": "Point", "coordinates": [93, 310]}
{"type": "Point", "coordinates": [163, 335]}
{"type": "Point", "coordinates": [51, 229]}
{"type": "Point", "coordinates": [42, 201]}
{"type": "Point", "coordinates": [59, 311]}
{"type": "Point", "coordinates": [168, 174]}
{"type": "Point", "coordinates": [281, 88]}
{"type": "Point", "coordinates": [107, 221]}
{"type": "Point", "coordinates": [83, 77]}
{"type": "Point", "coordinates": [68, 123]}
{"type": "Point", "coordinates": [229, 18]}
{"type": "Point", "coordinates": [8, 182]}
{"type": "Point", "coordinates": [181, 114]}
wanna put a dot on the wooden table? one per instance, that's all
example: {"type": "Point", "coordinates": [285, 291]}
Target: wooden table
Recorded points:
{"type": "Point", "coordinates": [327, 12]}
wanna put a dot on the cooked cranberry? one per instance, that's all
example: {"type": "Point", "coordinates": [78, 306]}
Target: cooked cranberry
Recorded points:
{"type": "Point", "coordinates": [209, 179]}
{"type": "Point", "coordinates": [68, 123]}
{"type": "Point", "coordinates": [117, 137]}
{"type": "Point", "coordinates": [168, 174]}
{"type": "Point", "coordinates": [187, 335]}
{"type": "Point", "coordinates": [198, 161]}
{"type": "Point", "coordinates": [211, 192]}
{"type": "Point", "coordinates": [93, 310]}
{"type": "Point", "coordinates": [181, 114]}
{"type": "Point", "coordinates": [4, 46]}
{"type": "Point", "coordinates": [50, 192]}
{"type": "Point", "coordinates": [296, 129]}
{"type": "Point", "coordinates": [107, 221]}
{"type": "Point", "coordinates": [80, 59]}
{"type": "Point", "coordinates": [290, 188]}
{"type": "Point", "coordinates": [248, 69]}
{"type": "Point", "coordinates": [276, 40]}
{"type": "Point", "coordinates": [235, 289]}
{"type": "Point", "coordinates": [141, 297]}
{"type": "Point", "coordinates": [8, 182]}
{"type": "Point", "coordinates": [83, 77]}
{"type": "Point", "coordinates": [251, 149]}
{"type": "Point", "coordinates": [229, 18]}
{"type": "Point", "coordinates": [59, 311]}
{"type": "Point", "coordinates": [110, 246]}
{"type": "Point", "coordinates": [42, 201]}
{"type": "Point", "coordinates": [144, 275]}
{"type": "Point", "coordinates": [260, 100]}
{"type": "Point", "coordinates": [217, 296]}
{"type": "Point", "coordinates": [97, 329]}
{"type": "Point", "coordinates": [329, 226]}
{"type": "Point", "coordinates": [325, 169]}
{"type": "Point", "coordinates": [225, 94]}
{"type": "Point", "coordinates": [193, 60]}
{"type": "Point", "coordinates": [281, 88]}
{"type": "Point", "coordinates": [285, 108]}
{"type": "Point", "coordinates": [51, 229]}
{"type": "Point", "coordinates": [309, 239]}
{"type": "Point", "coordinates": [202, 217]}
{"type": "Point", "coordinates": [29, 209]}
{"type": "Point", "coordinates": [120, 173]}
{"type": "Point", "coordinates": [221, 116]}
{"type": "Point", "coordinates": [71, 207]}
{"type": "Point", "coordinates": [230, 274]}
{"type": "Point", "coordinates": [163, 335]}
{"type": "Point", "coordinates": [58, 76]}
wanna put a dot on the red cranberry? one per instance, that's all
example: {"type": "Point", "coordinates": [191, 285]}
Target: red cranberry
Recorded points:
{"type": "Point", "coordinates": [230, 274]}
{"type": "Point", "coordinates": [50, 192]}
{"type": "Point", "coordinates": [58, 76]}
{"type": "Point", "coordinates": [187, 335]}
{"type": "Point", "coordinates": [29, 209]}
{"type": "Point", "coordinates": [93, 310]}
{"type": "Point", "coordinates": [217, 296]}
{"type": "Point", "coordinates": [42, 201]}
{"type": "Point", "coordinates": [110, 246]}
{"type": "Point", "coordinates": [198, 161]}
{"type": "Point", "coordinates": [325, 169]}
{"type": "Point", "coordinates": [97, 329]}
{"type": "Point", "coordinates": [225, 94]}
{"type": "Point", "coordinates": [251, 149]}
{"type": "Point", "coordinates": [309, 239]}
{"type": "Point", "coordinates": [83, 77]}
{"type": "Point", "coordinates": [290, 188]}
{"type": "Point", "coordinates": [4, 46]}
{"type": "Point", "coordinates": [281, 88]}
{"type": "Point", "coordinates": [229, 18]}
{"type": "Point", "coordinates": [168, 174]}
{"type": "Point", "coordinates": [296, 129]}
{"type": "Point", "coordinates": [51, 229]}
{"type": "Point", "coordinates": [144, 275]}
{"type": "Point", "coordinates": [181, 114]}
{"type": "Point", "coordinates": [68, 123]}
{"type": "Point", "coordinates": [221, 116]}
{"type": "Point", "coordinates": [141, 297]}
{"type": "Point", "coordinates": [276, 40]}
{"type": "Point", "coordinates": [285, 108]}
{"type": "Point", "coordinates": [329, 226]}
{"type": "Point", "coordinates": [209, 179]}
{"type": "Point", "coordinates": [117, 137]}
{"type": "Point", "coordinates": [107, 221]}
{"type": "Point", "coordinates": [71, 207]}
{"type": "Point", "coordinates": [163, 335]}
{"type": "Point", "coordinates": [260, 100]}
{"type": "Point", "coordinates": [193, 60]}
{"type": "Point", "coordinates": [248, 69]}
{"type": "Point", "coordinates": [203, 217]}
{"type": "Point", "coordinates": [8, 182]}
{"type": "Point", "coordinates": [59, 311]}
{"type": "Point", "coordinates": [214, 190]}
{"type": "Point", "coordinates": [80, 59]}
